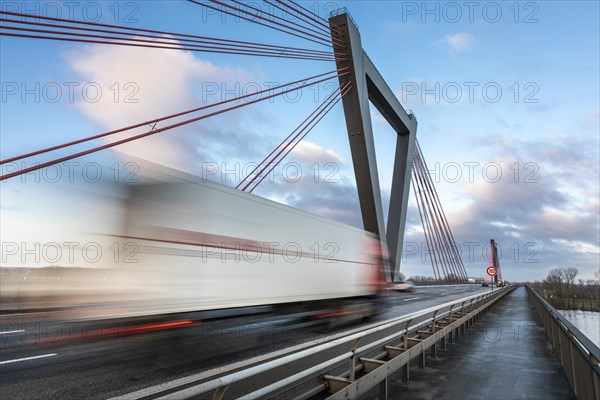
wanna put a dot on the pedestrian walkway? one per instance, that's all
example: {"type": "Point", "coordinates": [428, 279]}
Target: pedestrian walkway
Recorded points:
{"type": "Point", "coordinates": [506, 355]}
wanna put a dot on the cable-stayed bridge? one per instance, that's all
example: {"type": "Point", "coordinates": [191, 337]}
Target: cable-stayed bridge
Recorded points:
{"type": "Point", "coordinates": [204, 317]}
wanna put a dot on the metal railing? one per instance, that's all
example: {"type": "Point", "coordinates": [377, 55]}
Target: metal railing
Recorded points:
{"type": "Point", "coordinates": [353, 370]}
{"type": "Point", "coordinates": [577, 354]}
{"type": "Point", "coordinates": [340, 11]}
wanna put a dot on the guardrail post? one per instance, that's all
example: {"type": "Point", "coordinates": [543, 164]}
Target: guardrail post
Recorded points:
{"type": "Point", "coordinates": [462, 328]}
{"type": "Point", "coordinates": [353, 359]}
{"type": "Point", "coordinates": [451, 333]}
{"type": "Point", "coordinates": [470, 320]}
{"type": "Point", "coordinates": [406, 367]}
{"type": "Point", "coordinates": [220, 392]}
{"type": "Point", "coordinates": [406, 325]}
{"type": "Point", "coordinates": [433, 321]}
{"type": "Point", "coordinates": [434, 347]}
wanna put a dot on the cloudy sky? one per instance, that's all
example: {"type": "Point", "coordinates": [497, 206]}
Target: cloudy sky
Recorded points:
{"type": "Point", "coordinates": [506, 95]}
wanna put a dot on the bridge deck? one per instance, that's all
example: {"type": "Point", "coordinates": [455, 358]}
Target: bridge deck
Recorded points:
{"type": "Point", "coordinates": [506, 355]}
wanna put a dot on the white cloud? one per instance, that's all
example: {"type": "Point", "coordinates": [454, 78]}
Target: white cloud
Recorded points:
{"type": "Point", "coordinates": [312, 152]}
{"type": "Point", "coordinates": [591, 120]}
{"type": "Point", "coordinates": [459, 41]}
{"type": "Point", "coordinates": [140, 85]}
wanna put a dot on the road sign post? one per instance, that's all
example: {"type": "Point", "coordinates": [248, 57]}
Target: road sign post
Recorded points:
{"type": "Point", "coordinates": [491, 271]}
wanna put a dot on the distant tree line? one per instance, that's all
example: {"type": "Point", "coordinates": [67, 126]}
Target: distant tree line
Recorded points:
{"type": "Point", "coordinates": [563, 290]}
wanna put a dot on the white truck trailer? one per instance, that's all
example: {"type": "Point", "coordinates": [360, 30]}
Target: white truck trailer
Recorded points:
{"type": "Point", "coordinates": [204, 246]}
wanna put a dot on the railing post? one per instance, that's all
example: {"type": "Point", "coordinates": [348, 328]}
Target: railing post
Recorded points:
{"type": "Point", "coordinates": [595, 378]}
{"type": "Point", "coordinates": [433, 321]}
{"type": "Point", "coordinates": [572, 362]}
{"type": "Point", "coordinates": [405, 373]}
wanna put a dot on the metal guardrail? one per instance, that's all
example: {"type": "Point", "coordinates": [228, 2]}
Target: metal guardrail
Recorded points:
{"type": "Point", "coordinates": [577, 354]}
{"type": "Point", "coordinates": [375, 361]}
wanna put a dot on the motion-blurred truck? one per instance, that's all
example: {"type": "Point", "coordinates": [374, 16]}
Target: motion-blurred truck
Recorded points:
{"type": "Point", "coordinates": [202, 246]}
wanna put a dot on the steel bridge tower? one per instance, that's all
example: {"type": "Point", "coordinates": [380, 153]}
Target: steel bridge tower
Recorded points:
{"type": "Point", "coordinates": [368, 85]}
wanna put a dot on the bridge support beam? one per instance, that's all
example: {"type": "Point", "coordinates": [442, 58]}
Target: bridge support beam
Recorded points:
{"type": "Point", "coordinates": [369, 86]}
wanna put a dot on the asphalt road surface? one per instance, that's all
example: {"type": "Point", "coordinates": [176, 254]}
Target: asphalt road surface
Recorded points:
{"type": "Point", "coordinates": [42, 357]}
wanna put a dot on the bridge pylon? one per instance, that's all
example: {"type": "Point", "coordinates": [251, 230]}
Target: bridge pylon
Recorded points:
{"type": "Point", "coordinates": [368, 85]}
{"type": "Point", "coordinates": [495, 261]}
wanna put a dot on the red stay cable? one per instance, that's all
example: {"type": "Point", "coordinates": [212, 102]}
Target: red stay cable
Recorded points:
{"type": "Point", "coordinates": [321, 41]}
{"type": "Point", "coordinates": [281, 144]}
{"type": "Point", "coordinates": [154, 121]}
{"type": "Point", "coordinates": [137, 30]}
{"type": "Point", "coordinates": [153, 46]}
{"type": "Point", "coordinates": [323, 20]}
{"type": "Point", "coordinates": [322, 35]}
{"type": "Point", "coordinates": [305, 20]}
{"type": "Point", "coordinates": [151, 132]}
{"type": "Point", "coordinates": [224, 44]}
{"type": "Point", "coordinates": [322, 115]}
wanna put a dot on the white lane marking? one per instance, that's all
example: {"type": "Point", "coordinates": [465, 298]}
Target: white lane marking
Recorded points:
{"type": "Point", "coordinates": [7, 332]}
{"type": "Point", "coordinates": [27, 358]}
{"type": "Point", "coordinates": [411, 298]}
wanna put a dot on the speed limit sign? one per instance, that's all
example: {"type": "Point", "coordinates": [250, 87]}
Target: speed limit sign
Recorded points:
{"type": "Point", "coordinates": [491, 270]}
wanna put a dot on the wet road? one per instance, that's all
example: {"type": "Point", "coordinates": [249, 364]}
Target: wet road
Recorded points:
{"type": "Point", "coordinates": [41, 357]}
